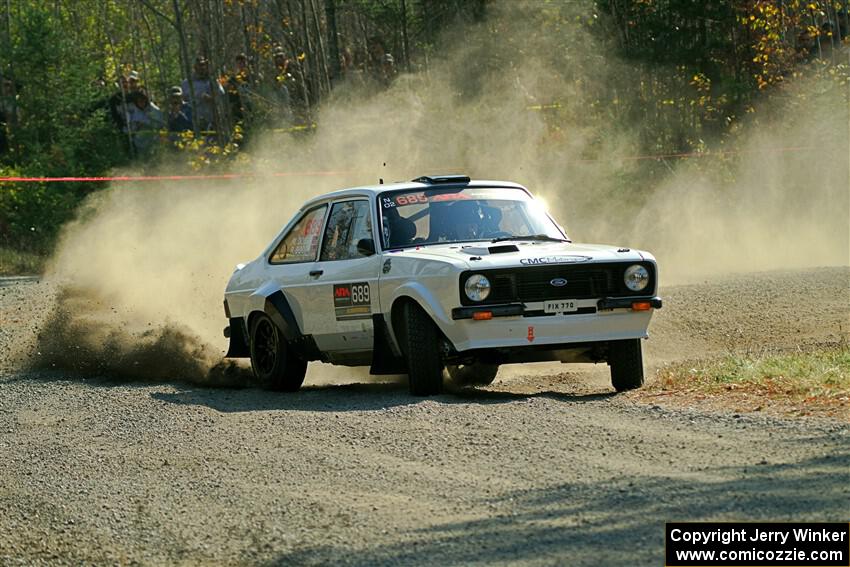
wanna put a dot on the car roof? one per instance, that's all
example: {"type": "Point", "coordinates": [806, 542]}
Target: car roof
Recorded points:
{"type": "Point", "coordinates": [374, 190]}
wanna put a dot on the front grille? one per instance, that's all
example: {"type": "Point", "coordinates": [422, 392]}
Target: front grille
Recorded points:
{"type": "Point", "coordinates": [533, 283]}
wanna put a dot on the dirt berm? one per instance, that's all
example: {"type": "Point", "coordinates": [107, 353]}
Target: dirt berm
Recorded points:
{"type": "Point", "coordinates": [547, 467]}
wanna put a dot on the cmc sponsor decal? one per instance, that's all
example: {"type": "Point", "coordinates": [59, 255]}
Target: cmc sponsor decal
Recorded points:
{"type": "Point", "coordinates": [553, 260]}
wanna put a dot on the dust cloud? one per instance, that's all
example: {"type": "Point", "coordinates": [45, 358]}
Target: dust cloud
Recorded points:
{"type": "Point", "coordinates": [145, 266]}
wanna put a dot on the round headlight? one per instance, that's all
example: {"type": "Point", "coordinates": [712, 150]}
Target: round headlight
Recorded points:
{"type": "Point", "coordinates": [636, 277]}
{"type": "Point", "coordinates": [477, 287]}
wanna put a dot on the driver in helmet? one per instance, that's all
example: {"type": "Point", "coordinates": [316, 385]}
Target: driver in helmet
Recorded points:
{"type": "Point", "coordinates": [467, 220]}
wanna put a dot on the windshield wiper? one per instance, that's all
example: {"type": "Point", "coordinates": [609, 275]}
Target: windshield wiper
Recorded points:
{"type": "Point", "coordinates": [544, 237]}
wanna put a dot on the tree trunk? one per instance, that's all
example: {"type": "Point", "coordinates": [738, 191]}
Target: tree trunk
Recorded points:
{"type": "Point", "coordinates": [157, 55]}
{"type": "Point", "coordinates": [13, 121]}
{"type": "Point", "coordinates": [187, 66]}
{"type": "Point", "coordinates": [333, 39]}
{"type": "Point", "coordinates": [308, 66]}
{"type": "Point", "coordinates": [324, 80]}
{"type": "Point", "coordinates": [404, 35]}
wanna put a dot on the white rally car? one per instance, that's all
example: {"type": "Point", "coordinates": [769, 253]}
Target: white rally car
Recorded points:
{"type": "Point", "coordinates": [442, 275]}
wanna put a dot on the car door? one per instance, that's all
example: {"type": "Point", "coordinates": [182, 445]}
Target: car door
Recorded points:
{"type": "Point", "coordinates": [345, 287]}
{"type": "Point", "coordinates": [292, 260]}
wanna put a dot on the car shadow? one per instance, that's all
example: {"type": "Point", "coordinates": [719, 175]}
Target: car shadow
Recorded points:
{"type": "Point", "coordinates": [233, 378]}
{"type": "Point", "coordinates": [619, 522]}
{"type": "Point", "coordinates": [349, 397]}
{"type": "Point", "coordinates": [237, 392]}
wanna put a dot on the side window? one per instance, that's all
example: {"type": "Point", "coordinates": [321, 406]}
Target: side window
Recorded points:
{"type": "Point", "coordinates": [349, 222]}
{"type": "Point", "coordinates": [302, 241]}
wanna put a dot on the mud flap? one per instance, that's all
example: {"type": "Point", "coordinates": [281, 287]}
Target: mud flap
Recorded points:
{"type": "Point", "coordinates": [384, 360]}
{"type": "Point", "coordinates": [238, 347]}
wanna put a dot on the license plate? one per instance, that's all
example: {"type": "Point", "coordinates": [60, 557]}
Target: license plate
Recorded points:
{"type": "Point", "coordinates": [560, 306]}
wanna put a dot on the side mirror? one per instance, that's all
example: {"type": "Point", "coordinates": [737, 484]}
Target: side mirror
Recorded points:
{"type": "Point", "coordinates": [366, 246]}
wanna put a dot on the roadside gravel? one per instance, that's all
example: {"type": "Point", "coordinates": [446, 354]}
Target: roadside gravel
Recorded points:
{"type": "Point", "coordinates": [547, 467]}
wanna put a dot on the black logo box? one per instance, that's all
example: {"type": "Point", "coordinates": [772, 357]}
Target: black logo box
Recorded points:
{"type": "Point", "coordinates": [800, 540]}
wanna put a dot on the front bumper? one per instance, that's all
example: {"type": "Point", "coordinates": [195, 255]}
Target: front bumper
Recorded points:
{"type": "Point", "coordinates": [522, 325]}
{"type": "Point", "coordinates": [608, 303]}
{"type": "Point", "coordinates": [514, 309]}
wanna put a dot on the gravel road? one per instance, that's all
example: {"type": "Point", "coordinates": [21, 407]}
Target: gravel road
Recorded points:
{"type": "Point", "coordinates": [547, 467]}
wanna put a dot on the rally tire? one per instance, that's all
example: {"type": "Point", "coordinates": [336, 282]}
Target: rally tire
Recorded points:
{"type": "Point", "coordinates": [274, 364]}
{"type": "Point", "coordinates": [424, 361]}
{"type": "Point", "coordinates": [477, 374]}
{"type": "Point", "coordinates": [626, 363]}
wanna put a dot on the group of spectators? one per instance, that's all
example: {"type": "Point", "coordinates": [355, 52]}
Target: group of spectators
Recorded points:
{"type": "Point", "coordinates": [191, 106]}
{"type": "Point", "coordinates": [205, 105]}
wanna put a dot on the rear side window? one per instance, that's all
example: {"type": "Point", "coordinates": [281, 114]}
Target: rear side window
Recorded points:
{"type": "Point", "coordinates": [302, 241]}
{"type": "Point", "coordinates": [349, 222]}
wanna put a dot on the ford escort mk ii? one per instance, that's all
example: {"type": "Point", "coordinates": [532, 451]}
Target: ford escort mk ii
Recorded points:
{"type": "Point", "coordinates": [440, 278]}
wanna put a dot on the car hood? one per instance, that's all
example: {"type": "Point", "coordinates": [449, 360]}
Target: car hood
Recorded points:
{"type": "Point", "coordinates": [482, 255]}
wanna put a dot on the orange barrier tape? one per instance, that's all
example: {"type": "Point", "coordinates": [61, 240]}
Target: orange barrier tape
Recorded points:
{"type": "Point", "coordinates": [683, 155]}
{"type": "Point", "coordinates": [171, 177]}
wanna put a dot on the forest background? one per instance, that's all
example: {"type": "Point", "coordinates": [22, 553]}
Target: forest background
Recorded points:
{"type": "Point", "coordinates": [690, 77]}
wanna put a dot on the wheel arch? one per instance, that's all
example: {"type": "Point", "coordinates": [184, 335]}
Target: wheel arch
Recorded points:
{"type": "Point", "coordinates": [423, 296]}
{"type": "Point", "coordinates": [396, 322]}
{"type": "Point", "coordinates": [277, 308]}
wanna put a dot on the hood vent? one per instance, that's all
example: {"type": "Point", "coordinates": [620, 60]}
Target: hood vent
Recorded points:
{"type": "Point", "coordinates": [503, 249]}
{"type": "Point", "coordinates": [484, 251]}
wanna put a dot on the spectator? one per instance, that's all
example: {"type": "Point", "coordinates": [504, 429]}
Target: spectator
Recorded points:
{"type": "Point", "coordinates": [827, 39]}
{"type": "Point", "coordinates": [179, 114]}
{"type": "Point", "coordinates": [381, 64]}
{"type": "Point", "coordinates": [204, 90]}
{"type": "Point", "coordinates": [283, 80]}
{"type": "Point", "coordinates": [8, 111]}
{"type": "Point", "coordinates": [240, 87]}
{"type": "Point", "coordinates": [346, 62]}
{"type": "Point", "coordinates": [118, 104]}
{"type": "Point", "coordinates": [387, 68]}
{"type": "Point", "coordinates": [377, 50]}
{"type": "Point", "coordinates": [145, 120]}
{"type": "Point", "coordinates": [134, 82]}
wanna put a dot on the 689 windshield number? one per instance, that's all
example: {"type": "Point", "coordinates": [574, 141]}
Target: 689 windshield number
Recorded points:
{"type": "Point", "coordinates": [422, 199]}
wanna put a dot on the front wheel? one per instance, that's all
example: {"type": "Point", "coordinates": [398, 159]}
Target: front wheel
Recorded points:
{"type": "Point", "coordinates": [274, 364]}
{"type": "Point", "coordinates": [626, 362]}
{"type": "Point", "coordinates": [477, 374]}
{"type": "Point", "coordinates": [424, 361]}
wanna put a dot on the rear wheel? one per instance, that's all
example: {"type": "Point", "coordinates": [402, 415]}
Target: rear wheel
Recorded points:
{"type": "Point", "coordinates": [477, 374]}
{"type": "Point", "coordinates": [626, 363]}
{"type": "Point", "coordinates": [274, 364]}
{"type": "Point", "coordinates": [424, 362]}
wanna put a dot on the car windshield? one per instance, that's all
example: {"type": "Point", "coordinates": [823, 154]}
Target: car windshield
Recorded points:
{"type": "Point", "coordinates": [448, 215]}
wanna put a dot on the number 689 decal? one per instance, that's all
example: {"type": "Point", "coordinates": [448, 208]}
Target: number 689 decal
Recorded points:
{"type": "Point", "coordinates": [360, 294]}
{"type": "Point", "coordinates": [352, 301]}
{"type": "Point", "coordinates": [352, 294]}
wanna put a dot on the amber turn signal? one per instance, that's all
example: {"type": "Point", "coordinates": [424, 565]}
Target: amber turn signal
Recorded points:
{"type": "Point", "coordinates": [482, 315]}
{"type": "Point", "coordinates": [641, 306]}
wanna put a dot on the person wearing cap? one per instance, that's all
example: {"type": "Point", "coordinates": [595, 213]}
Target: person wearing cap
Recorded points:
{"type": "Point", "coordinates": [179, 114]}
{"type": "Point", "coordinates": [388, 70]}
{"type": "Point", "coordinates": [134, 82]}
{"type": "Point", "coordinates": [205, 90]}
